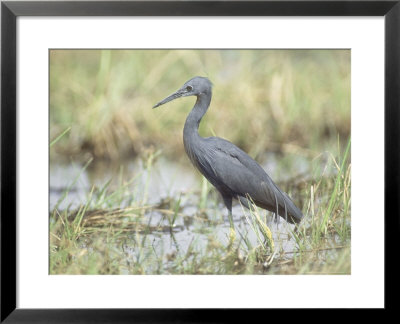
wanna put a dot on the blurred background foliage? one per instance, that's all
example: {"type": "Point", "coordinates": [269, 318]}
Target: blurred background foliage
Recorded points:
{"type": "Point", "coordinates": [263, 100]}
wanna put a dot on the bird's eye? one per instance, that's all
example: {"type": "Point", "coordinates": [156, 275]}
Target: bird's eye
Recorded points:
{"type": "Point", "coordinates": [189, 88]}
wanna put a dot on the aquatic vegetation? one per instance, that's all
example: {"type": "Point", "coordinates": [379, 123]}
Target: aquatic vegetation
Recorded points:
{"type": "Point", "coordinates": [124, 198]}
{"type": "Point", "coordinates": [117, 231]}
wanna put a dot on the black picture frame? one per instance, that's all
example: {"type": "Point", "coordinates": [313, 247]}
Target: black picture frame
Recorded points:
{"type": "Point", "coordinates": [11, 10]}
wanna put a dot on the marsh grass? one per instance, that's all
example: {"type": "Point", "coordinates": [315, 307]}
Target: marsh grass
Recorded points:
{"type": "Point", "coordinates": [293, 103]}
{"type": "Point", "coordinates": [116, 232]}
{"type": "Point", "coordinates": [274, 100]}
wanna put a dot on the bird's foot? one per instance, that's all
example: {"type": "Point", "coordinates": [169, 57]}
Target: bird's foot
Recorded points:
{"type": "Point", "coordinates": [232, 238]}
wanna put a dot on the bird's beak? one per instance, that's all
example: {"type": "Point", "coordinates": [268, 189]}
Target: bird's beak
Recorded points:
{"type": "Point", "coordinates": [175, 95]}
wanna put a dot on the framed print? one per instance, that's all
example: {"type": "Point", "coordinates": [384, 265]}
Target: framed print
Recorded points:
{"type": "Point", "coordinates": [182, 155]}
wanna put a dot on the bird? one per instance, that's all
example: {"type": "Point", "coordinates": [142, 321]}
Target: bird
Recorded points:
{"type": "Point", "coordinates": [228, 168]}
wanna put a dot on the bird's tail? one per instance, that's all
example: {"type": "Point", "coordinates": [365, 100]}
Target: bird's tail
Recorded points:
{"type": "Point", "coordinates": [284, 206]}
{"type": "Point", "coordinates": [290, 212]}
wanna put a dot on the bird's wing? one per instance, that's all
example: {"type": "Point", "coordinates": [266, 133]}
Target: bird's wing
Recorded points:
{"type": "Point", "coordinates": [236, 170]}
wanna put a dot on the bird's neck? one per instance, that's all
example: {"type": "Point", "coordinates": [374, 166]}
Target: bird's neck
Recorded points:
{"type": "Point", "coordinates": [191, 135]}
{"type": "Point", "coordinates": [193, 120]}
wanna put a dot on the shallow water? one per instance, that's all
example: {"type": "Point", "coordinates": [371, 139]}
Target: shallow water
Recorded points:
{"type": "Point", "coordinates": [166, 180]}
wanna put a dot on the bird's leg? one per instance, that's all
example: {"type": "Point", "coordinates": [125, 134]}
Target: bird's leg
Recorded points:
{"type": "Point", "coordinates": [228, 204]}
{"type": "Point", "coordinates": [246, 202]}
{"type": "Point", "coordinates": [232, 233]}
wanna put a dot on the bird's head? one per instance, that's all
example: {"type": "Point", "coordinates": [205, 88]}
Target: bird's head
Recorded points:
{"type": "Point", "coordinates": [194, 87]}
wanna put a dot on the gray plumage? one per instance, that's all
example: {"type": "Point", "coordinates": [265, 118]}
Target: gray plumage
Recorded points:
{"type": "Point", "coordinates": [227, 167]}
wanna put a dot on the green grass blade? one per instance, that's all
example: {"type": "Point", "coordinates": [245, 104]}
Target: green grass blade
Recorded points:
{"type": "Point", "coordinates": [54, 141]}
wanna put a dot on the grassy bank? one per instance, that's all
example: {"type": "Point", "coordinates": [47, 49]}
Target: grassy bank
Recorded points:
{"type": "Point", "coordinates": [263, 100]}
